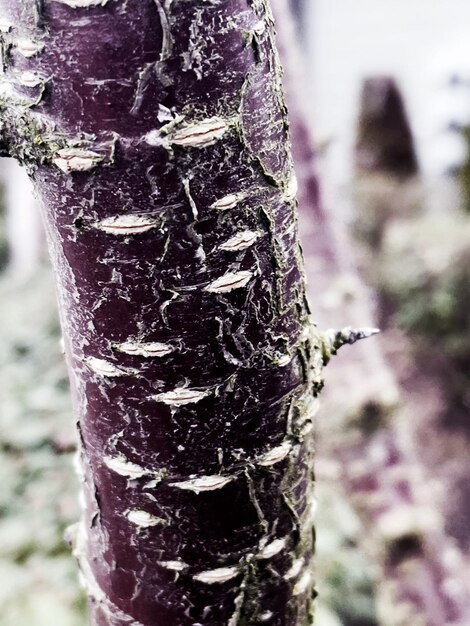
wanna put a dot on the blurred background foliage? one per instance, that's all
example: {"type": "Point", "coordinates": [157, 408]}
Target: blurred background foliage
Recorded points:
{"type": "Point", "coordinates": [38, 494]}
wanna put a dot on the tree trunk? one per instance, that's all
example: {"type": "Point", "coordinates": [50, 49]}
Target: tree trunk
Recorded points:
{"type": "Point", "coordinates": [155, 133]}
{"type": "Point", "coordinates": [385, 141]}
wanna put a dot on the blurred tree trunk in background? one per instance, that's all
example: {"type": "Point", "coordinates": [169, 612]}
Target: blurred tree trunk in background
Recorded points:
{"type": "Point", "coordinates": [385, 141]}
{"type": "Point", "coordinates": [366, 431]}
{"type": "Point", "coordinates": [156, 137]}
{"type": "Point", "coordinates": [385, 160]}
{"type": "Point", "coordinates": [298, 8]}
{"type": "Point", "coordinates": [420, 271]}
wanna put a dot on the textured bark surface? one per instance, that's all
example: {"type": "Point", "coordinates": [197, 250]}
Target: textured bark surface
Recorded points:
{"type": "Point", "coordinates": [156, 136]}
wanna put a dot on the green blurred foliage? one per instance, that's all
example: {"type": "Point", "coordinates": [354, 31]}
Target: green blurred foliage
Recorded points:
{"type": "Point", "coordinates": [38, 499]}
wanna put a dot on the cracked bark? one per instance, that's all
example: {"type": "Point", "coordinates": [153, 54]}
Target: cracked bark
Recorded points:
{"type": "Point", "coordinates": [155, 134]}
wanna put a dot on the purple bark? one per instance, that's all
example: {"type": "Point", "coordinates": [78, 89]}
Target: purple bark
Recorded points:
{"type": "Point", "coordinates": [156, 136]}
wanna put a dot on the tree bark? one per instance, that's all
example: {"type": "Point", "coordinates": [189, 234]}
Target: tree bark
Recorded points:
{"type": "Point", "coordinates": [155, 133]}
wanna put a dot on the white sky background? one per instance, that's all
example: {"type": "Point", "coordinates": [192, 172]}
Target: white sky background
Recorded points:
{"type": "Point", "coordinates": [420, 42]}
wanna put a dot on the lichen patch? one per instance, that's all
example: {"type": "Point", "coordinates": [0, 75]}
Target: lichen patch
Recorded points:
{"type": "Point", "coordinates": [219, 575]}
{"type": "Point", "coordinates": [126, 224]}
{"type": "Point", "coordinates": [203, 483]}
{"type": "Point", "coordinates": [229, 282]}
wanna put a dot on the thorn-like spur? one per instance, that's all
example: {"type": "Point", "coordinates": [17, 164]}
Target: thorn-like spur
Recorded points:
{"type": "Point", "coordinates": [333, 340]}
